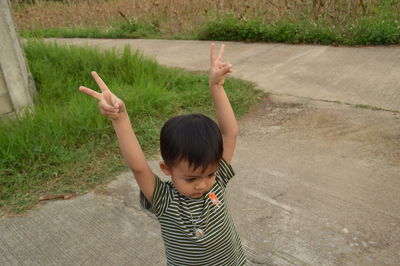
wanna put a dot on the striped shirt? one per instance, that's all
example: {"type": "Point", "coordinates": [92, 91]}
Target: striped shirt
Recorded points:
{"type": "Point", "coordinates": [180, 216]}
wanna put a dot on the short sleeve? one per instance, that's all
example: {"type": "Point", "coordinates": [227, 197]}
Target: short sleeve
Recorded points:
{"type": "Point", "coordinates": [225, 172]}
{"type": "Point", "coordinates": [162, 197]}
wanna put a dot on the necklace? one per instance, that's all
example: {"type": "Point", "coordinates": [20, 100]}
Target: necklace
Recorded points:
{"type": "Point", "coordinates": [198, 232]}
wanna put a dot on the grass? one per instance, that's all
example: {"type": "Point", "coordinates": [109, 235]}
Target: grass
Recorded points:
{"type": "Point", "coordinates": [64, 145]}
{"type": "Point", "coordinates": [365, 106]}
{"type": "Point", "coordinates": [333, 22]}
{"type": "Point", "coordinates": [121, 29]}
{"type": "Point", "coordinates": [383, 29]}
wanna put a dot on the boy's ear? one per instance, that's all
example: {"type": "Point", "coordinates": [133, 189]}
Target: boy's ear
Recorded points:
{"type": "Point", "coordinates": [165, 168]}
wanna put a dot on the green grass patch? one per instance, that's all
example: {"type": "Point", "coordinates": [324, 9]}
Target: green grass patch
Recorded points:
{"type": "Point", "coordinates": [64, 145]}
{"type": "Point", "coordinates": [370, 107]}
{"type": "Point", "coordinates": [382, 28]}
{"type": "Point", "coordinates": [120, 29]}
{"type": "Point", "coordinates": [232, 28]}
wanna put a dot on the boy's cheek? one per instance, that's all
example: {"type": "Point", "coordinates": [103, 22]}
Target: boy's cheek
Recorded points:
{"type": "Point", "coordinates": [182, 187]}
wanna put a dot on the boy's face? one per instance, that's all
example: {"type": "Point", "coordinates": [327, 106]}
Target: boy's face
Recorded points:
{"type": "Point", "coordinates": [189, 182]}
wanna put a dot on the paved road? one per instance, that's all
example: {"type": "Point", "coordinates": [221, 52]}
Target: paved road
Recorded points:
{"type": "Point", "coordinates": [317, 178]}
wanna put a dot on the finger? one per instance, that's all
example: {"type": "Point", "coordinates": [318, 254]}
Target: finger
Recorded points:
{"type": "Point", "coordinates": [108, 97]}
{"type": "Point", "coordinates": [226, 69]}
{"type": "Point", "coordinates": [90, 92]}
{"type": "Point", "coordinates": [111, 99]}
{"type": "Point", "coordinates": [223, 65]}
{"type": "Point", "coordinates": [99, 81]}
{"type": "Point", "coordinates": [114, 100]}
{"type": "Point", "coordinates": [221, 52]}
{"type": "Point", "coordinates": [106, 107]}
{"type": "Point", "coordinates": [119, 105]}
{"type": "Point", "coordinates": [110, 114]}
{"type": "Point", "coordinates": [212, 53]}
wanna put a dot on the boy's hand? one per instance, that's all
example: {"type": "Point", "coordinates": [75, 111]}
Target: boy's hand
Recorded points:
{"type": "Point", "coordinates": [218, 69]}
{"type": "Point", "coordinates": [109, 104]}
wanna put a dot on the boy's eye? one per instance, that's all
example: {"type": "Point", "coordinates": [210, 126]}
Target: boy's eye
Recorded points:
{"type": "Point", "coordinates": [211, 175]}
{"type": "Point", "coordinates": [190, 180]}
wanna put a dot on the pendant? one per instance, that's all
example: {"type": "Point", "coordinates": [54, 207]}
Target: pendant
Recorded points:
{"type": "Point", "coordinates": [199, 233]}
{"type": "Point", "coordinates": [214, 199]}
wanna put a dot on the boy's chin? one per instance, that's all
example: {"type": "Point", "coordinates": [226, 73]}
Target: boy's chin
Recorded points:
{"type": "Point", "coordinates": [197, 195]}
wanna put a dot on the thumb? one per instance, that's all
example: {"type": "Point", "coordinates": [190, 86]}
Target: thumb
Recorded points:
{"type": "Point", "coordinates": [115, 101]}
{"type": "Point", "coordinates": [227, 68]}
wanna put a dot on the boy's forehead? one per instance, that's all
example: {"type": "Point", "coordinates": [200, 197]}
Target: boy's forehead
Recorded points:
{"type": "Point", "coordinates": [183, 166]}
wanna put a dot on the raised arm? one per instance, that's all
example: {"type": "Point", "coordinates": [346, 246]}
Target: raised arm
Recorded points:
{"type": "Point", "coordinates": [225, 115]}
{"type": "Point", "coordinates": [114, 108]}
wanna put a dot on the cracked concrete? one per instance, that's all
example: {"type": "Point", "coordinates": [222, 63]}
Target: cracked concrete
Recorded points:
{"type": "Point", "coordinates": [317, 181]}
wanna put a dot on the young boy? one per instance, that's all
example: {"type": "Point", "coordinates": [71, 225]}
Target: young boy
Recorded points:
{"type": "Point", "coordinates": [196, 226]}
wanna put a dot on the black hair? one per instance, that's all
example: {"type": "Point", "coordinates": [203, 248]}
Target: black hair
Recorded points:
{"type": "Point", "coordinates": [195, 138]}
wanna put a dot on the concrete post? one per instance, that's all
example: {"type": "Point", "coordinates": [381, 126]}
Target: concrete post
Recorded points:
{"type": "Point", "coordinates": [16, 84]}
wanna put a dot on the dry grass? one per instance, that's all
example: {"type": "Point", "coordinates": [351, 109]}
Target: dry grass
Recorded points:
{"type": "Point", "coordinates": [174, 16]}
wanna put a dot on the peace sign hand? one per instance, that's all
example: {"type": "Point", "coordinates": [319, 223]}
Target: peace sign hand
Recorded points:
{"type": "Point", "coordinates": [218, 69]}
{"type": "Point", "coordinates": [109, 104]}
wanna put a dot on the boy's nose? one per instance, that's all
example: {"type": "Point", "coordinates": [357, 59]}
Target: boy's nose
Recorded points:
{"type": "Point", "coordinates": [200, 186]}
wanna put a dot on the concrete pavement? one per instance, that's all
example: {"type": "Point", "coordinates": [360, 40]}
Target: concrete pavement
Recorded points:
{"type": "Point", "coordinates": [317, 181]}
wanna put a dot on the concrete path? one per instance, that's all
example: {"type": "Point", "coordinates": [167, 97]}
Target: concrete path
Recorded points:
{"type": "Point", "coordinates": [318, 180]}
